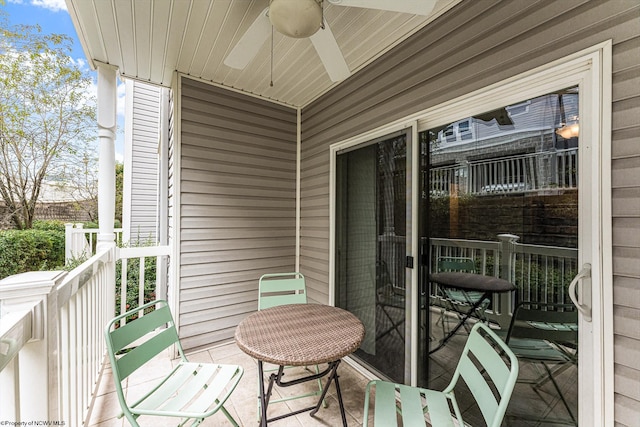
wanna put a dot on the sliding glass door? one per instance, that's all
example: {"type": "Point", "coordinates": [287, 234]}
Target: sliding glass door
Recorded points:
{"type": "Point", "coordinates": [508, 182]}
{"type": "Point", "coordinates": [500, 198]}
{"type": "Point", "coordinates": [371, 229]}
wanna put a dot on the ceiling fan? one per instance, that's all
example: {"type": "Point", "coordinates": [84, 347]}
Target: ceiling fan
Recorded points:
{"type": "Point", "coordinates": [305, 19]}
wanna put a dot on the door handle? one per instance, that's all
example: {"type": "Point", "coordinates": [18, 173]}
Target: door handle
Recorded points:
{"type": "Point", "coordinates": [585, 309]}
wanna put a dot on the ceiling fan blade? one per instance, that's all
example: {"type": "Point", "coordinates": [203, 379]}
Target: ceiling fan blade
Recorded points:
{"type": "Point", "coordinates": [250, 42]}
{"type": "Point", "coordinates": [416, 7]}
{"type": "Point", "coordinates": [330, 54]}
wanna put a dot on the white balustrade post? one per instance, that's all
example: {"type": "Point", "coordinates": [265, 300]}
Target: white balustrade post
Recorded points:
{"type": "Point", "coordinates": [80, 243]}
{"type": "Point", "coordinates": [507, 242]}
{"type": "Point", "coordinates": [107, 98]}
{"type": "Point", "coordinates": [68, 241]}
{"type": "Point", "coordinates": [38, 359]}
{"type": "Point", "coordinates": [107, 102]}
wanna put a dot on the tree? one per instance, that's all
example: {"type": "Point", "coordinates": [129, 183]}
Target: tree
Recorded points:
{"type": "Point", "coordinates": [46, 115]}
{"type": "Point", "coordinates": [79, 179]}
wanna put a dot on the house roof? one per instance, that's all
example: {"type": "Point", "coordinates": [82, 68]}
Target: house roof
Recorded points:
{"type": "Point", "coordinates": [149, 40]}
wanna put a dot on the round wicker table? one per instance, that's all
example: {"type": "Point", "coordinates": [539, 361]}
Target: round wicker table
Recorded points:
{"type": "Point", "coordinates": [299, 335]}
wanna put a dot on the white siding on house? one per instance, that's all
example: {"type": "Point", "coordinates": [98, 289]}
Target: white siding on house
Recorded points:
{"type": "Point", "coordinates": [476, 44]}
{"type": "Point", "coordinates": [142, 135]}
{"type": "Point", "coordinates": [237, 206]}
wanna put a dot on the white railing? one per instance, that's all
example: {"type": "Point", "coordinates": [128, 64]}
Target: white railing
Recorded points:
{"type": "Point", "coordinates": [527, 172]}
{"type": "Point", "coordinates": [542, 273]}
{"type": "Point", "coordinates": [142, 255]}
{"type": "Point", "coordinates": [80, 242]}
{"type": "Point", "coordinates": [539, 273]}
{"type": "Point", "coordinates": [51, 335]}
{"type": "Point", "coordinates": [51, 341]}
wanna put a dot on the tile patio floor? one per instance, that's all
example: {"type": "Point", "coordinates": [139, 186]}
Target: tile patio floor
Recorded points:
{"type": "Point", "coordinates": [243, 402]}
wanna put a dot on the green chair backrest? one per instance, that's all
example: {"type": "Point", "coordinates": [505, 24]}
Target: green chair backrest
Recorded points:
{"type": "Point", "coordinates": [485, 354]}
{"type": "Point", "coordinates": [459, 265]}
{"type": "Point", "coordinates": [544, 321]}
{"type": "Point", "coordinates": [281, 288]}
{"type": "Point", "coordinates": [456, 264]}
{"type": "Point", "coordinates": [127, 348]}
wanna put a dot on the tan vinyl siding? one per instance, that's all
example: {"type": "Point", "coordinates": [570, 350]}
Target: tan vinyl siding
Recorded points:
{"type": "Point", "coordinates": [144, 179]}
{"type": "Point", "coordinates": [626, 226]}
{"type": "Point", "coordinates": [476, 44]}
{"type": "Point", "coordinates": [238, 178]}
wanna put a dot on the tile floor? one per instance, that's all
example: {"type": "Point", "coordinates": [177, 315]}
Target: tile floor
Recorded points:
{"type": "Point", "coordinates": [242, 404]}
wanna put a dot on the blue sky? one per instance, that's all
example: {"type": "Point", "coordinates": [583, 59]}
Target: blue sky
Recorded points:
{"type": "Point", "coordinates": [53, 17]}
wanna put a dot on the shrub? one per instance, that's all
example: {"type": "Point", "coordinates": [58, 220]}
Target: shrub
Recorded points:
{"type": "Point", "coordinates": [52, 225]}
{"type": "Point", "coordinates": [31, 250]}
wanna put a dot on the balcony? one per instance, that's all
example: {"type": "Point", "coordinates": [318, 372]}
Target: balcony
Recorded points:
{"type": "Point", "coordinates": [51, 327]}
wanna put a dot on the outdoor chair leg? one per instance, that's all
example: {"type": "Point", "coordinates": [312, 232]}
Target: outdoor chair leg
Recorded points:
{"type": "Point", "coordinates": [557, 387]}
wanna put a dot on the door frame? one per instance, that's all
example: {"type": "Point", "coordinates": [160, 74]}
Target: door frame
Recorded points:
{"type": "Point", "coordinates": [410, 127]}
{"type": "Point", "coordinates": [591, 70]}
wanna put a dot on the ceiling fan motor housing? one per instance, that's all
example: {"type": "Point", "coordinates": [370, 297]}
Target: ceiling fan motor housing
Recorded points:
{"type": "Point", "coordinates": [297, 19]}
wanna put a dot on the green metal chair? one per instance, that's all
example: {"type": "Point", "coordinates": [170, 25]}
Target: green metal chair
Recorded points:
{"type": "Point", "coordinates": [280, 289]}
{"type": "Point", "coordinates": [482, 366]}
{"type": "Point", "coordinates": [190, 391]}
{"type": "Point", "coordinates": [458, 297]}
{"type": "Point", "coordinates": [545, 334]}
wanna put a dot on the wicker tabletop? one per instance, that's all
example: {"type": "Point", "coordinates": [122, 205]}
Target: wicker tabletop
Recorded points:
{"type": "Point", "coordinates": [300, 334]}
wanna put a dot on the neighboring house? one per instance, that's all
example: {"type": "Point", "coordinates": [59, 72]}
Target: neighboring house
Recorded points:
{"type": "Point", "coordinates": [55, 202]}
{"type": "Point", "coordinates": [255, 172]}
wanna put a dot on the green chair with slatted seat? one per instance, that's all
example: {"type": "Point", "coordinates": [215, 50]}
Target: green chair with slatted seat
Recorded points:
{"type": "Point", "coordinates": [189, 391]}
{"type": "Point", "coordinates": [545, 334]}
{"type": "Point", "coordinates": [280, 289]}
{"type": "Point", "coordinates": [487, 366]}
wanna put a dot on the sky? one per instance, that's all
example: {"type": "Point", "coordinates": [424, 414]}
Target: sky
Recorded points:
{"type": "Point", "coordinates": [52, 16]}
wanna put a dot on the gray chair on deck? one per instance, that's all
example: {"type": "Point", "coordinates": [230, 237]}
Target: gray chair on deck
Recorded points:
{"type": "Point", "coordinates": [280, 289]}
{"type": "Point", "coordinates": [458, 297]}
{"type": "Point", "coordinates": [545, 335]}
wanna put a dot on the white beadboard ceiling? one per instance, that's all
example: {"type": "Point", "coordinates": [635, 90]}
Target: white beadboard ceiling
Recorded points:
{"type": "Point", "coordinates": [150, 39]}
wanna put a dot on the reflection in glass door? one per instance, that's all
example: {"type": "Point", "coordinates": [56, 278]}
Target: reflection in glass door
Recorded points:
{"type": "Point", "coordinates": [370, 248]}
{"type": "Point", "coordinates": [499, 195]}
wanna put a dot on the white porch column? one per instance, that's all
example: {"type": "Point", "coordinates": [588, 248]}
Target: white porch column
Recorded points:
{"type": "Point", "coordinates": [107, 102]}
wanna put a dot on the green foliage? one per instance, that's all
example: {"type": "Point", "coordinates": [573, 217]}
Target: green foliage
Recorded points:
{"type": "Point", "coordinates": [50, 224]}
{"type": "Point", "coordinates": [544, 280]}
{"type": "Point", "coordinates": [30, 250]}
{"type": "Point", "coordinates": [119, 191]}
{"type": "Point", "coordinates": [133, 280]}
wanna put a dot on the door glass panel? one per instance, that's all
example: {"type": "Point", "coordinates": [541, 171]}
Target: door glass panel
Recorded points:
{"type": "Point", "coordinates": [499, 197]}
{"type": "Point", "coordinates": [371, 225]}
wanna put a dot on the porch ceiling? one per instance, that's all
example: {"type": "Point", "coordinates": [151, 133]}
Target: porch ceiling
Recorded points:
{"type": "Point", "coordinates": [149, 40]}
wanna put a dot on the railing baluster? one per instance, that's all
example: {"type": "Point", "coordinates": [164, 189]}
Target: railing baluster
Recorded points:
{"type": "Point", "coordinates": [141, 284]}
{"type": "Point", "coordinates": [123, 290]}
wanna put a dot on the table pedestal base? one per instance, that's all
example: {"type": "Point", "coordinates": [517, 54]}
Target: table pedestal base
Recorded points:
{"type": "Point", "coordinates": [332, 370]}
